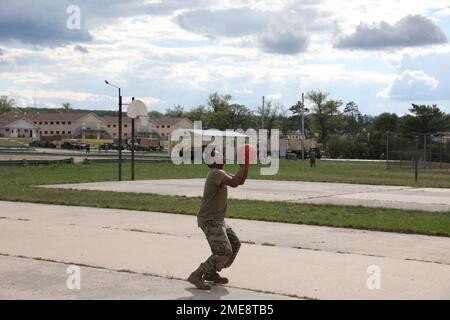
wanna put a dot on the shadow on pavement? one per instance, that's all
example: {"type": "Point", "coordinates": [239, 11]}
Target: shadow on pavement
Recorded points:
{"type": "Point", "coordinates": [215, 293]}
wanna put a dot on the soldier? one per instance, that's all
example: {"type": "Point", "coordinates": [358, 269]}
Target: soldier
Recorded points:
{"type": "Point", "coordinates": [222, 240]}
{"type": "Point", "coordinates": [312, 158]}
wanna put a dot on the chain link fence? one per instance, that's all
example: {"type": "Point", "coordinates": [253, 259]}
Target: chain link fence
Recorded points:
{"type": "Point", "coordinates": [432, 152]}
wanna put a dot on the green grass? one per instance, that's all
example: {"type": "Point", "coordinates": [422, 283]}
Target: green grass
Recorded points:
{"type": "Point", "coordinates": [17, 184]}
{"type": "Point", "coordinates": [14, 142]}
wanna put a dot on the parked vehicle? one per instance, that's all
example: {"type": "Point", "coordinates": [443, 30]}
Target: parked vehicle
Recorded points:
{"type": "Point", "coordinates": [73, 145]}
{"type": "Point", "coordinates": [145, 144]}
{"type": "Point", "coordinates": [42, 144]}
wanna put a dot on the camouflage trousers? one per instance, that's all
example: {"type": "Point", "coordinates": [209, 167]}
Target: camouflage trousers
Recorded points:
{"type": "Point", "coordinates": [224, 246]}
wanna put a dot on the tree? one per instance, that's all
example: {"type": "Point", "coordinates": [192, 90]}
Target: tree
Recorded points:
{"type": "Point", "coordinates": [197, 113]}
{"type": "Point", "coordinates": [425, 119]}
{"type": "Point", "coordinates": [66, 106]}
{"type": "Point", "coordinates": [155, 114]}
{"type": "Point", "coordinates": [175, 112]}
{"type": "Point", "coordinates": [6, 104]}
{"type": "Point", "coordinates": [324, 112]}
{"type": "Point", "coordinates": [271, 114]}
{"type": "Point", "coordinates": [353, 117]}
{"type": "Point", "coordinates": [386, 122]}
{"type": "Point", "coordinates": [222, 114]}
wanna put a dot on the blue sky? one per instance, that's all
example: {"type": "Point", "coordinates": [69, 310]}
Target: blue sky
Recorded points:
{"type": "Point", "coordinates": [384, 55]}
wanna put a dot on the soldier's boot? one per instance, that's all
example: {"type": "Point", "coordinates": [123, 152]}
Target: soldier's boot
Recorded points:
{"type": "Point", "coordinates": [196, 278]}
{"type": "Point", "coordinates": [215, 277]}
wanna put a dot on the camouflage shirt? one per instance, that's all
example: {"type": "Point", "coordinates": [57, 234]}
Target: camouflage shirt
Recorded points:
{"type": "Point", "coordinates": [215, 198]}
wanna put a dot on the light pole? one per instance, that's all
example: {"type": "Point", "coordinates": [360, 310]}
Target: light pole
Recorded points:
{"type": "Point", "coordinates": [120, 128]}
{"type": "Point", "coordinates": [303, 126]}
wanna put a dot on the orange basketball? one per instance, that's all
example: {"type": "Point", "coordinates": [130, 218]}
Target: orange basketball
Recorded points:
{"type": "Point", "coordinates": [246, 154]}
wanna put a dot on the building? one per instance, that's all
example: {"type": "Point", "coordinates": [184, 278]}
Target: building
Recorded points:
{"type": "Point", "coordinates": [17, 127]}
{"type": "Point", "coordinates": [146, 130]}
{"type": "Point", "coordinates": [87, 125]}
{"type": "Point", "coordinates": [77, 125]}
{"type": "Point", "coordinates": [165, 126]}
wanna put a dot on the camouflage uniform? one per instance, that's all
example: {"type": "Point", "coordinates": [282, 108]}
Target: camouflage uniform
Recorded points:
{"type": "Point", "coordinates": [211, 219]}
{"type": "Point", "coordinates": [224, 246]}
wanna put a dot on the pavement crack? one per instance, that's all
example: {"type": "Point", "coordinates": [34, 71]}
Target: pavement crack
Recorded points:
{"type": "Point", "coordinates": [169, 277]}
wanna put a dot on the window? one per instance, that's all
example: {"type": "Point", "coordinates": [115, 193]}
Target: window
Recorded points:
{"type": "Point", "coordinates": [125, 134]}
{"type": "Point", "coordinates": [63, 122]}
{"type": "Point", "coordinates": [51, 123]}
{"type": "Point", "coordinates": [26, 130]}
{"type": "Point", "coordinates": [114, 125]}
{"type": "Point", "coordinates": [40, 122]}
{"type": "Point", "coordinates": [57, 132]}
{"type": "Point", "coordinates": [157, 127]}
{"type": "Point", "coordinates": [46, 132]}
{"type": "Point", "coordinates": [7, 129]}
{"type": "Point", "coordinates": [57, 122]}
{"type": "Point", "coordinates": [162, 126]}
{"type": "Point", "coordinates": [69, 132]}
{"type": "Point", "coordinates": [109, 126]}
{"type": "Point", "coordinates": [63, 132]}
{"type": "Point", "coordinates": [162, 134]}
{"type": "Point", "coordinates": [126, 126]}
{"type": "Point", "coordinates": [46, 122]}
{"type": "Point", "coordinates": [168, 126]}
{"type": "Point", "coordinates": [69, 122]}
{"type": "Point", "coordinates": [114, 134]}
{"type": "Point", "coordinates": [35, 122]}
{"type": "Point", "coordinates": [51, 132]}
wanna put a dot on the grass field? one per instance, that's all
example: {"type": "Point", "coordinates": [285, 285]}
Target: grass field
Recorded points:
{"type": "Point", "coordinates": [14, 142]}
{"type": "Point", "coordinates": [17, 184]}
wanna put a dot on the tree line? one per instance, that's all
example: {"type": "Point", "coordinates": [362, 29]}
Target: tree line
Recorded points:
{"type": "Point", "coordinates": [341, 129]}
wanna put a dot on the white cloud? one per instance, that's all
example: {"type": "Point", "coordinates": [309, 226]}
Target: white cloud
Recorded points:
{"type": "Point", "coordinates": [410, 31]}
{"type": "Point", "coordinates": [411, 84]}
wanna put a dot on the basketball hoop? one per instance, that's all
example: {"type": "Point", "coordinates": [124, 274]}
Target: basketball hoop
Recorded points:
{"type": "Point", "coordinates": [137, 109]}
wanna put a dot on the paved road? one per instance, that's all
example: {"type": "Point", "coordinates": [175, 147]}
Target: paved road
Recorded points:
{"type": "Point", "coordinates": [284, 259]}
{"type": "Point", "coordinates": [428, 199]}
{"type": "Point", "coordinates": [24, 278]}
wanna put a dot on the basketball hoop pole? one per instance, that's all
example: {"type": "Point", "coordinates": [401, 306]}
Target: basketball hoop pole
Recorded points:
{"type": "Point", "coordinates": [132, 147]}
{"type": "Point", "coordinates": [136, 110]}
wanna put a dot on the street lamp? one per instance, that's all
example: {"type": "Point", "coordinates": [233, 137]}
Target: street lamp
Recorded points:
{"type": "Point", "coordinates": [120, 128]}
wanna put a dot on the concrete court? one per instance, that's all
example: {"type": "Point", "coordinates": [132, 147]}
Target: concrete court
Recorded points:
{"type": "Point", "coordinates": [428, 199]}
{"type": "Point", "coordinates": [283, 259]}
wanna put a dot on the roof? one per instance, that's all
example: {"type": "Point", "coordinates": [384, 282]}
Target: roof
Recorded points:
{"type": "Point", "coordinates": [56, 116]}
{"type": "Point", "coordinates": [168, 121]}
{"type": "Point", "coordinates": [115, 119]}
{"type": "Point", "coordinates": [5, 120]}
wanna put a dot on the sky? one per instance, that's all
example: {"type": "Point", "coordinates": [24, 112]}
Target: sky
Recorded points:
{"type": "Point", "coordinates": [381, 54]}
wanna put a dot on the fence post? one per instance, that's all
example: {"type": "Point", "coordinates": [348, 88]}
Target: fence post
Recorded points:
{"type": "Point", "coordinates": [387, 151]}
{"type": "Point", "coordinates": [416, 169]}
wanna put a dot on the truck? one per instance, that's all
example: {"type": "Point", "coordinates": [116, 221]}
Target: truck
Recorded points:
{"type": "Point", "coordinates": [145, 144]}
{"type": "Point", "coordinates": [295, 146]}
